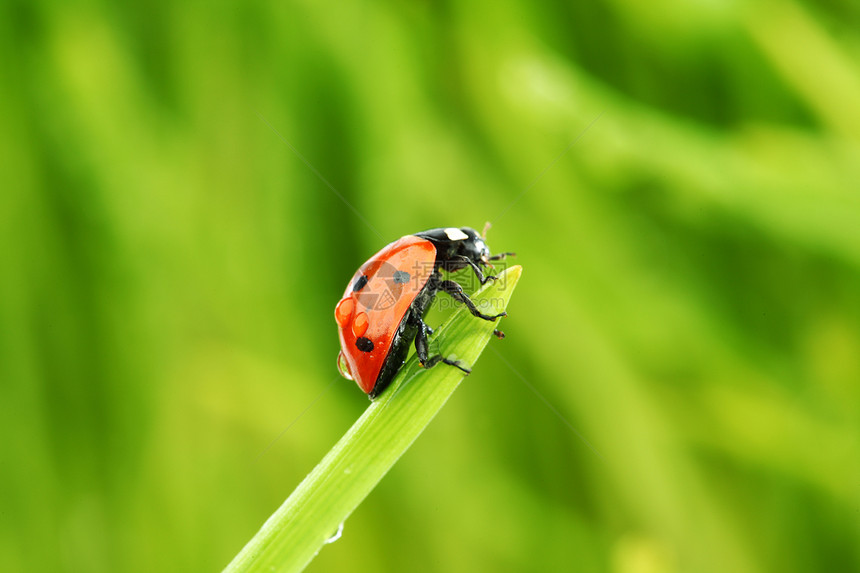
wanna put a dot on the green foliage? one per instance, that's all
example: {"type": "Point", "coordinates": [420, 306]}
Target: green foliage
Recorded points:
{"type": "Point", "coordinates": [169, 270]}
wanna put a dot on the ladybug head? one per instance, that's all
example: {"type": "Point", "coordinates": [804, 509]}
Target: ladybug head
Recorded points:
{"type": "Point", "coordinates": [473, 247]}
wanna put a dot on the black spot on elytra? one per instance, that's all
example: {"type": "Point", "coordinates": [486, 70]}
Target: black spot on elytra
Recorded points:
{"type": "Point", "coordinates": [359, 283]}
{"type": "Point", "coordinates": [401, 277]}
{"type": "Point", "coordinates": [364, 344]}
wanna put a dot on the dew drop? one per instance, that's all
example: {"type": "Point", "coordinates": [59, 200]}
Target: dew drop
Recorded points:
{"type": "Point", "coordinates": [359, 324]}
{"type": "Point", "coordinates": [343, 311]}
{"type": "Point", "coordinates": [343, 366]}
{"type": "Point", "coordinates": [336, 535]}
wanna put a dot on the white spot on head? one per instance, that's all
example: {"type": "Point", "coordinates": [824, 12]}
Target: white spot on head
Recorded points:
{"type": "Point", "coordinates": [455, 234]}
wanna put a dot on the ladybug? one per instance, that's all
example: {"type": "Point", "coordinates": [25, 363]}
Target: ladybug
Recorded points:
{"type": "Point", "coordinates": [383, 307]}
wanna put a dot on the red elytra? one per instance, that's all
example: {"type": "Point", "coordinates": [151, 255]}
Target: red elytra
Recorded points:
{"type": "Point", "coordinates": [376, 310]}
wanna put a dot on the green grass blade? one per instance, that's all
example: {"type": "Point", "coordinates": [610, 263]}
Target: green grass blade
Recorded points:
{"type": "Point", "coordinates": [294, 534]}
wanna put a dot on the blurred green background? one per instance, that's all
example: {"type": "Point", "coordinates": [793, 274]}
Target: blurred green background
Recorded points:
{"type": "Point", "coordinates": [690, 301]}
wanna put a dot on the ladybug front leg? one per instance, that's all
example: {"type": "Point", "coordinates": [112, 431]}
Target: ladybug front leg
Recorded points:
{"type": "Point", "coordinates": [422, 346]}
{"type": "Point", "coordinates": [456, 292]}
{"type": "Point", "coordinates": [478, 272]}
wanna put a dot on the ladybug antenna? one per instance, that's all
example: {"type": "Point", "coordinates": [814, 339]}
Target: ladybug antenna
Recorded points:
{"type": "Point", "coordinates": [487, 226]}
{"type": "Point", "coordinates": [501, 256]}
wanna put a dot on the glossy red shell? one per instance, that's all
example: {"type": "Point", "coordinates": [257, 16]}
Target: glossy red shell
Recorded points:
{"type": "Point", "coordinates": [370, 315]}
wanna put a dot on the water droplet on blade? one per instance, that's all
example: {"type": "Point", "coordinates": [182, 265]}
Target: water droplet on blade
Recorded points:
{"type": "Point", "coordinates": [336, 535]}
{"type": "Point", "coordinates": [343, 366]}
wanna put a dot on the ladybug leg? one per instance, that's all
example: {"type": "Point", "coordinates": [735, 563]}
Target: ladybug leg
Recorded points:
{"type": "Point", "coordinates": [456, 292]}
{"type": "Point", "coordinates": [421, 343]}
{"type": "Point", "coordinates": [421, 347]}
{"type": "Point", "coordinates": [478, 272]}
